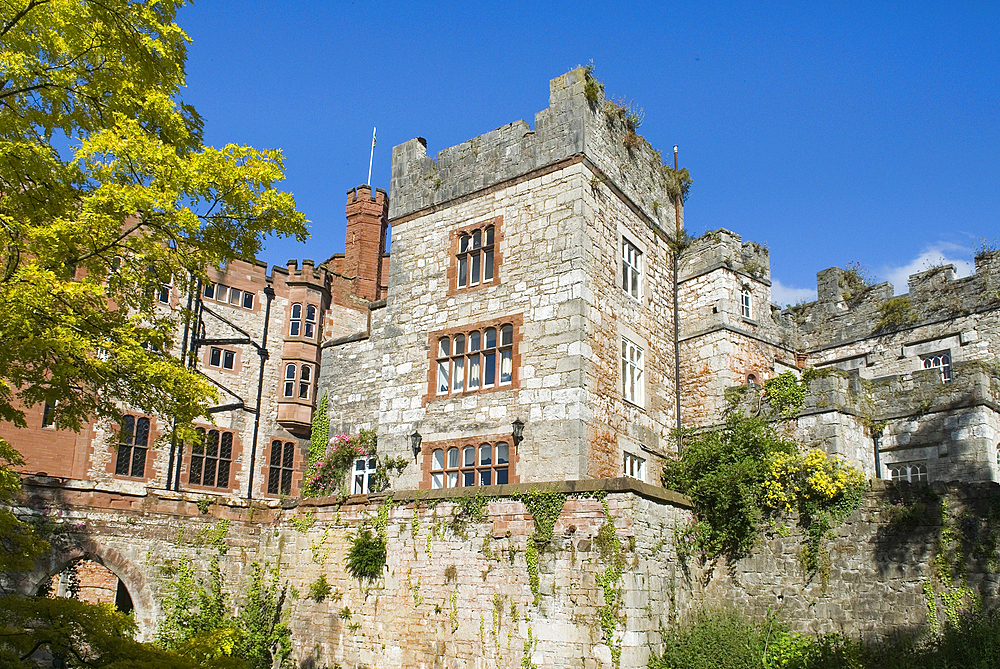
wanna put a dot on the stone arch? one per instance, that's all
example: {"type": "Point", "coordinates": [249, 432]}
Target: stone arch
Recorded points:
{"type": "Point", "coordinates": [131, 576]}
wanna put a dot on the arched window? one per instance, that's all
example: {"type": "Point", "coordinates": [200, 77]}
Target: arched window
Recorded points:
{"type": "Point", "coordinates": [290, 374]}
{"type": "Point", "coordinates": [745, 308]}
{"type": "Point", "coordinates": [295, 322]}
{"type": "Point", "coordinates": [940, 361]}
{"type": "Point", "coordinates": [133, 441]}
{"type": "Point", "coordinates": [310, 324]}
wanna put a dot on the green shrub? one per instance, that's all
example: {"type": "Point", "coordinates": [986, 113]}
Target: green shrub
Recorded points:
{"type": "Point", "coordinates": [895, 313]}
{"type": "Point", "coordinates": [319, 589]}
{"type": "Point", "coordinates": [785, 393]}
{"type": "Point", "coordinates": [366, 556]}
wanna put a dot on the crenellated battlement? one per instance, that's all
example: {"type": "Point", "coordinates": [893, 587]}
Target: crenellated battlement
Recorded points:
{"type": "Point", "coordinates": [848, 309]}
{"type": "Point", "coordinates": [723, 248]}
{"type": "Point", "coordinates": [572, 128]}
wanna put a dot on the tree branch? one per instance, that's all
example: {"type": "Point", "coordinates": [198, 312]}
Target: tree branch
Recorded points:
{"type": "Point", "coordinates": [21, 14]}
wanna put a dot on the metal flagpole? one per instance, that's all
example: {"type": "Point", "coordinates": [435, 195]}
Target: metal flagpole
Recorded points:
{"type": "Point", "coordinates": [370, 158]}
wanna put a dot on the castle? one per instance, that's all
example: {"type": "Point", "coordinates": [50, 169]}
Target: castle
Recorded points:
{"type": "Point", "coordinates": [542, 316]}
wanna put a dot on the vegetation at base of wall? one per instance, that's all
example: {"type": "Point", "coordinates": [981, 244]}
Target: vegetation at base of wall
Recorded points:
{"type": "Point", "coordinates": [728, 640]}
{"type": "Point", "coordinates": [895, 313]}
{"type": "Point", "coordinates": [366, 556]}
{"type": "Point", "coordinates": [200, 622]}
{"type": "Point", "coordinates": [786, 394]}
{"type": "Point", "coordinates": [744, 473]}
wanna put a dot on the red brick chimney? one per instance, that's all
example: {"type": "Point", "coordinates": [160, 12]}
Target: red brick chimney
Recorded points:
{"type": "Point", "coordinates": [367, 222]}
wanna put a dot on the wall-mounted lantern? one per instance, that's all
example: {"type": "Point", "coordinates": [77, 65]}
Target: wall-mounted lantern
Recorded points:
{"type": "Point", "coordinates": [415, 440]}
{"type": "Point", "coordinates": [518, 431]}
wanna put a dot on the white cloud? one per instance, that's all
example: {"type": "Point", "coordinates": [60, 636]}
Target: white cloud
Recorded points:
{"type": "Point", "coordinates": [933, 255]}
{"type": "Point", "coordinates": [782, 294]}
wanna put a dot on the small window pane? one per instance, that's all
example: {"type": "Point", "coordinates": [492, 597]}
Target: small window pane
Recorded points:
{"type": "Point", "coordinates": [506, 366]}
{"type": "Point", "coordinates": [459, 374]}
{"type": "Point", "coordinates": [469, 456]}
{"type": "Point", "coordinates": [310, 313]}
{"type": "Point", "coordinates": [490, 369]}
{"type": "Point", "coordinates": [215, 357]}
{"type": "Point", "coordinates": [296, 311]}
{"type": "Point", "coordinates": [486, 477]}
{"type": "Point", "coordinates": [452, 457]}
{"type": "Point", "coordinates": [502, 453]}
{"type": "Point", "coordinates": [489, 236]}
{"type": "Point", "coordinates": [210, 290]}
{"type": "Point", "coordinates": [235, 296]}
{"type": "Point", "coordinates": [228, 359]}
{"type": "Point", "coordinates": [469, 478]}
{"type": "Point", "coordinates": [485, 454]}
{"type": "Point", "coordinates": [502, 476]}
{"type": "Point", "coordinates": [306, 372]}
{"type": "Point", "coordinates": [294, 328]}
{"type": "Point", "coordinates": [475, 269]}
{"type": "Point", "coordinates": [248, 300]}
{"type": "Point", "coordinates": [437, 481]}
{"type": "Point", "coordinates": [442, 377]}
{"type": "Point", "coordinates": [290, 371]}
{"type": "Point", "coordinates": [507, 335]}
{"type": "Point", "coordinates": [488, 266]}
{"type": "Point", "coordinates": [463, 271]}
{"type": "Point", "coordinates": [459, 344]}
{"type": "Point", "coordinates": [444, 347]}
{"type": "Point", "coordinates": [452, 479]}
{"type": "Point", "coordinates": [477, 238]}
{"type": "Point", "coordinates": [473, 371]}
{"type": "Point", "coordinates": [221, 292]}
{"type": "Point", "coordinates": [438, 459]}
{"type": "Point", "coordinates": [474, 338]}
{"type": "Point", "coordinates": [491, 338]}
{"type": "Point", "coordinates": [463, 244]}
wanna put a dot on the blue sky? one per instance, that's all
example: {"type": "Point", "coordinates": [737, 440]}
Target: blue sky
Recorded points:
{"type": "Point", "coordinates": [832, 132]}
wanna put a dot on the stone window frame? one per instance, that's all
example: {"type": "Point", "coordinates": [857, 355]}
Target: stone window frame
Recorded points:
{"type": "Point", "coordinates": [625, 239]}
{"type": "Point", "coordinates": [915, 472]}
{"type": "Point", "coordinates": [149, 455]}
{"type": "Point", "coordinates": [303, 320]}
{"type": "Point", "coordinates": [940, 360]}
{"type": "Point", "coordinates": [235, 450]}
{"type": "Point", "coordinates": [223, 350]}
{"type": "Point", "coordinates": [302, 378]}
{"type": "Point", "coordinates": [633, 466]}
{"type": "Point", "coordinates": [633, 384]}
{"type": "Point", "coordinates": [434, 348]}
{"type": "Point", "coordinates": [286, 467]}
{"type": "Point", "coordinates": [456, 253]}
{"type": "Point", "coordinates": [213, 289]}
{"type": "Point", "coordinates": [429, 468]}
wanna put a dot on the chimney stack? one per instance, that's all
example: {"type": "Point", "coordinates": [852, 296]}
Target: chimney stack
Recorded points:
{"type": "Point", "coordinates": [367, 222]}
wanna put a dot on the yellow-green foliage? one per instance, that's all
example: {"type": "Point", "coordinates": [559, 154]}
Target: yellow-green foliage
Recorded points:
{"type": "Point", "coordinates": [785, 393]}
{"type": "Point", "coordinates": [796, 478]}
{"type": "Point", "coordinates": [895, 313]}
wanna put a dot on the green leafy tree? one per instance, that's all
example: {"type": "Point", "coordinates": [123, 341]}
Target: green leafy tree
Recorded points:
{"type": "Point", "coordinates": [107, 194]}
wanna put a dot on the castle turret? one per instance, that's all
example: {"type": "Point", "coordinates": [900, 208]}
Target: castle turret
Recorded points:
{"type": "Point", "coordinates": [367, 222]}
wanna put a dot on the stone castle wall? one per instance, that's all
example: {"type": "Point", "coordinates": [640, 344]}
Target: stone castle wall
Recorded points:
{"type": "Point", "coordinates": [456, 591]}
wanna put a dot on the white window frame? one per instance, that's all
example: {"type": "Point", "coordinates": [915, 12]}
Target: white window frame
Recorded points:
{"type": "Point", "coordinates": [941, 361]}
{"type": "Point", "coordinates": [633, 372]}
{"type": "Point", "coordinates": [913, 472]}
{"type": "Point", "coordinates": [472, 465]}
{"type": "Point", "coordinates": [362, 473]}
{"type": "Point", "coordinates": [631, 269]}
{"type": "Point", "coordinates": [633, 466]}
{"type": "Point", "coordinates": [746, 302]}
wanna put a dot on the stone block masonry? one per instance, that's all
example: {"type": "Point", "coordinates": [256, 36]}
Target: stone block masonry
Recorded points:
{"type": "Point", "coordinates": [457, 590]}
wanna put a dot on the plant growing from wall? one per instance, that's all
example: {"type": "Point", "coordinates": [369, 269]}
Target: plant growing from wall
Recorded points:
{"type": "Point", "coordinates": [544, 507]}
{"type": "Point", "coordinates": [320, 435]}
{"type": "Point", "coordinates": [366, 556]}
{"type": "Point", "coordinates": [593, 90]}
{"type": "Point", "coordinates": [895, 313]}
{"type": "Point", "coordinates": [855, 281]}
{"type": "Point", "coordinates": [319, 589]}
{"type": "Point", "coordinates": [609, 613]}
{"type": "Point", "coordinates": [785, 393]}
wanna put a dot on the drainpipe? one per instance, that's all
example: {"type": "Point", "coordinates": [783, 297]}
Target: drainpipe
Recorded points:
{"type": "Point", "coordinates": [677, 335]}
{"type": "Point", "coordinates": [184, 347]}
{"type": "Point", "coordinates": [877, 443]}
{"type": "Point", "coordinates": [262, 352]}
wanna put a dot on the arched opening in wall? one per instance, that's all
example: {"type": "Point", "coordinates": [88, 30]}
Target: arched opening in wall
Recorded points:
{"type": "Point", "coordinates": [751, 379]}
{"type": "Point", "coordinates": [88, 581]}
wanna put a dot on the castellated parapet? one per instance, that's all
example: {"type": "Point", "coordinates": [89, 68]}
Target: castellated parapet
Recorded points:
{"type": "Point", "coordinates": [573, 128]}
